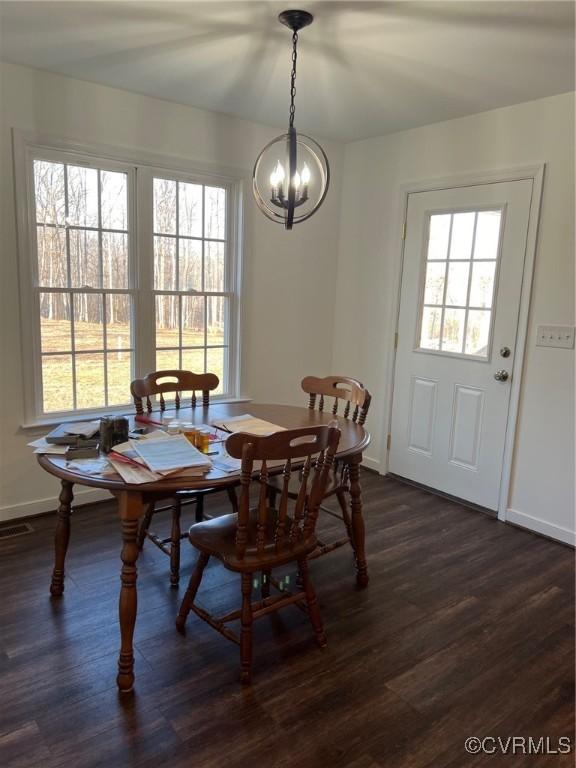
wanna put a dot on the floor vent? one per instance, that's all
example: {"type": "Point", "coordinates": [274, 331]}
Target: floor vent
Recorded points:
{"type": "Point", "coordinates": [11, 531]}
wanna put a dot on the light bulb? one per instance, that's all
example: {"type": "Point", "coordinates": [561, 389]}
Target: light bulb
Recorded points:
{"type": "Point", "coordinates": [277, 175]}
{"type": "Point", "coordinates": [305, 174]}
{"type": "Point", "coordinates": [296, 180]}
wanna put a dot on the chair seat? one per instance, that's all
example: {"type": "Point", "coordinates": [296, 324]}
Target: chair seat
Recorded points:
{"type": "Point", "coordinates": [217, 537]}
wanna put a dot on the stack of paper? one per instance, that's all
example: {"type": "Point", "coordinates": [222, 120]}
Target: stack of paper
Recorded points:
{"type": "Point", "coordinates": [43, 446]}
{"type": "Point", "coordinates": [171, 455]}
{"type": "Point", "coordinates": [156, 456]}
{"type": "Point", "coordinates": [249, 424]}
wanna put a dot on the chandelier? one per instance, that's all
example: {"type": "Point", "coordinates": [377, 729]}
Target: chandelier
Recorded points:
{"type": "Point", "coordinates": [291, 174]}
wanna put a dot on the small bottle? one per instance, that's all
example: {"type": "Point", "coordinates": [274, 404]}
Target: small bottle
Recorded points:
{"type": "Point", "coordinates": [203, 440]}
{"type": "Point", "coordinates": [190, 434]}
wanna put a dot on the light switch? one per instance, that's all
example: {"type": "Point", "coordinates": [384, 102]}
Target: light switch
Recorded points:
{"type": "Point", "coordinates": [555, 336]}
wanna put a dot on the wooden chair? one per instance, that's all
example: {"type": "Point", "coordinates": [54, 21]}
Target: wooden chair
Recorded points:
{"type": "Point", "coordinates": [177, 382]}
{"type": "Point", "coordinates": [261, 539]}
{"type": "Point", "coordinates": [354, 398]}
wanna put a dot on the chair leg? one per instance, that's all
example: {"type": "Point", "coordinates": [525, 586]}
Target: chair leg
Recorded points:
{"type": "Point", "coordinates": [195, 579]}
{"type": "Point", "coordinates": [246, 631]}
{"type": "Point", "coordinates": [265, 586]}
{"type": "Point", "coordinates": [341, 496]}
{"type": "Point", "coordinates": [175, 543]}
{"type": "Point", "coordinates": [200, 508]}
{"type": "Point", "coordinates": [312, 602]}
{"type": "Point", "coordinates": [233, 500]}
{"type": "Point", "coordinates": [145, 525]}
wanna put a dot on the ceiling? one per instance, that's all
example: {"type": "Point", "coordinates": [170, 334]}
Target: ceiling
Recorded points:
{"type": "Point", "coordinates": [364, 68]}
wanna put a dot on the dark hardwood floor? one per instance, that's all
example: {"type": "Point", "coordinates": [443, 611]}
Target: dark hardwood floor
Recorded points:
{"type": "Point", "coordinates": [466, 629]}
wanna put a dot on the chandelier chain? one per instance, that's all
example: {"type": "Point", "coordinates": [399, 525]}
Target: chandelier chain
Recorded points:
{"type": "Point", "coordinates": [293, 78]}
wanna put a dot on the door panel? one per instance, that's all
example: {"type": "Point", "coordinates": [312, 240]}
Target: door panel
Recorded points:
{"type": "Point", "coordinates": [466, 426]}
{"type": "Point", "coordinates": [460, 298]}
{"type": "Point", "coordinates": [422, 415]}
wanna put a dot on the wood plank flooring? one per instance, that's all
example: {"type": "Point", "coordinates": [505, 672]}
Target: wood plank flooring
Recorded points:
{"type": "Point", "coordinates": [466, 629]}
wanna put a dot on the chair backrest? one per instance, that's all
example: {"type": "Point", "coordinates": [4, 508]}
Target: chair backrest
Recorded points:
{"type": "Point", "coordinates": [276, 529]}
{"type": "Point", "coordinates": [342, 388]}
{"type": "Point", "coordinates": [160, 382]}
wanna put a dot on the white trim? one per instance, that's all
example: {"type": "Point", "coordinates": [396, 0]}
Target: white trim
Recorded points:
{"type": "Point", "coordinates": [132, 156]}
{"type": "Point", "coordinates": [371, 463]}
{"type": "Point", "coordinates": [53, 420]}
{"type": "Point", "coordinates": [536, 174]}
{"type": "Point", "coordinates": [44, 506]}
{"type": "Point", "coordinates": [541, 526]}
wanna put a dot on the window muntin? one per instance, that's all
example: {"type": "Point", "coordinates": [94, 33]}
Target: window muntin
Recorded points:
{"type": "Point", "coordinates": [191, 277]}
{"type": "Point", "coordinates": [87, 253]}
{"type": "Point", "coordinates": [460, 275]}
{"type": "Point", "coordinates": [83, 290]}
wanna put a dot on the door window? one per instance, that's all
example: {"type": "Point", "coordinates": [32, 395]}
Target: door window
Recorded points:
{"type": "Point", "coordinates": [459, 282]}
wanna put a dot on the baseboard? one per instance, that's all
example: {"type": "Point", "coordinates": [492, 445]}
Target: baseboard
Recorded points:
{"type": "Point", "coordinates": [557, 532]}
{"type": "Point", "coordinates": [372, 464]}
{"type": "Point", "coordinates": [42, 506]}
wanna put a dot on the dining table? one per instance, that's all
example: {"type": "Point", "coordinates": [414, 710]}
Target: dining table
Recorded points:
{"type": "Point", "coordinates": [132, 499]}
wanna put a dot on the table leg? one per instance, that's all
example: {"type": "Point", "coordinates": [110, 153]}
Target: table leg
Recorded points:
{"type": "Point", "coordinates": [61, 538]}
{"type": "Point", "coordinates": [131, 509]}
{"type": "Point", "coordinates": [357, 520]}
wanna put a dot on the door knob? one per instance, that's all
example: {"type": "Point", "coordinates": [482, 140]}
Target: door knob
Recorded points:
{"type": "Point", "coordinates": [501, 375]}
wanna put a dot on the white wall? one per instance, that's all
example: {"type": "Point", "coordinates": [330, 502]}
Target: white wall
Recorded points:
{"type": "Point", "coordinates": [289, 277]}
{"type": "Point", "coordinates": [542, 490]}
{"type": "Point", "coordinates": [290, 283]}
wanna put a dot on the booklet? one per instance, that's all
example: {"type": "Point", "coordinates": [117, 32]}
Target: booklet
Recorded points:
{"type": "Point", "coordinates": [171, 454]}
{"type": "Point", "coordinates": [249, 424]}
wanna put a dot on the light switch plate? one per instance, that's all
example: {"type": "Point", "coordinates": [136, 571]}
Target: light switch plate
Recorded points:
{"type": "Point", "coordinates": [555, 336]}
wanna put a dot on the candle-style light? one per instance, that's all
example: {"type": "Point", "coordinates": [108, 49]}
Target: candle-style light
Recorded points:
{"type": "Point", "coordinates": [291, 174]}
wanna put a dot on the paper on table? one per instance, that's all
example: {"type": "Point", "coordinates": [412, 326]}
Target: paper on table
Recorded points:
{"type": "Point", "coordinates": [250, 424]}
{"type": "Point", "coordinates": [90, 466]}
{"type": "Point", "coordinates": [128, 446]}
{"type": "Point", "coordinates": [171, 454]}
{"type": "Point", "coordinates": [226, 463]}
{"type": "Point", "coordinates": [132, 474]}
{"type": "Point", "coordinates": [42, 446]}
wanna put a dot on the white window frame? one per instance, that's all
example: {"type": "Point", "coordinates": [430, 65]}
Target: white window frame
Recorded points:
{"type": "Point", "coordinates": [422, 284]}
{"type": "Point", "coordinates": [141, 168]}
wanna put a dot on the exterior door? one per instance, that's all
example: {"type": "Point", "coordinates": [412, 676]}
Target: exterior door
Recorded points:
{"type": "Point", "coordinates": [460, 298]}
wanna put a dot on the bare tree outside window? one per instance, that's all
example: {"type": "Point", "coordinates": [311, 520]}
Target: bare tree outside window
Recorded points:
{"type": "Point", "coordinates": [89, 269]}
{"type": "Point", "coordinates": [85, 316]}
{"type": "Point", "coordinates": [190, 277]}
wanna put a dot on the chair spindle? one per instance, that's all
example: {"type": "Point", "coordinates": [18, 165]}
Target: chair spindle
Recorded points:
{"type": "Point", "coordinates": [262, 509]}
{"type": "Point", "coordinates": [280, 534]}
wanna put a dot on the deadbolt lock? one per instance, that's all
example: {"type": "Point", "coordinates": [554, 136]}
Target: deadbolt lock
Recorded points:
{"type": "Point", "coordinates": [505, 351]}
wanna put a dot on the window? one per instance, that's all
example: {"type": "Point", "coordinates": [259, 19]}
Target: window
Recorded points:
{"type": "Point", "coordinates": [459, 282]}
{"type": "Point", "coordinates": [83, 287]}
{"type": "Point", "coordinates": [111, 297]}
{"type": "Point", "coordinates": [190, 280]}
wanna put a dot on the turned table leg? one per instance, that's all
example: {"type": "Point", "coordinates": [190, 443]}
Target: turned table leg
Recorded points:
{"type": "Point", "coordinates": [131, 509]}
{"type": "Point", "coordinates": [357, 521]}
{"type": "Point", "coordinates": [61, 538]}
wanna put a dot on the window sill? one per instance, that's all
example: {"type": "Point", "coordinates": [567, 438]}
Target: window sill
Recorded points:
{"type": "Point", "coordinates": [53, 421]}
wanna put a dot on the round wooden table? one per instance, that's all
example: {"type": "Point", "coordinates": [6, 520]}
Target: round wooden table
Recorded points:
{"type": "Point", "coordinates": [354, 439]}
